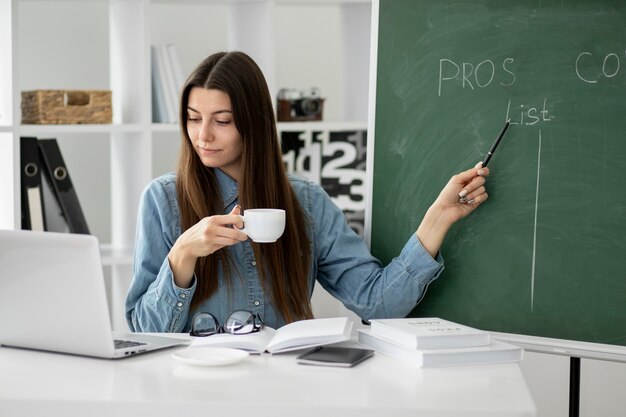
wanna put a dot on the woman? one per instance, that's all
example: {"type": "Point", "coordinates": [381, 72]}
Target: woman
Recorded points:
{"type": "Point", "coordinates": [189, 258]}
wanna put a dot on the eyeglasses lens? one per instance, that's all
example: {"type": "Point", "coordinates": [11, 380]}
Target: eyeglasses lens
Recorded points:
{"type": "Point", "coordinates": [204, 324]}
{"type": "Point", "coordinates": [239, 322]}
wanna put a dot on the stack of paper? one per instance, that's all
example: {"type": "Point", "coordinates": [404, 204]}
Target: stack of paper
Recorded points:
{"type": "Point", "coordinates": [436, 342]}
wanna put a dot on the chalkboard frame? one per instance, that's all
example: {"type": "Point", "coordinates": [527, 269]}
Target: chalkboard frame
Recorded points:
{"type": "Point", "coordinates": [558, 346]}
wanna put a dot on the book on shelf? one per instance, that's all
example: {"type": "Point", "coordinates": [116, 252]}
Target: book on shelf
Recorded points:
{"type": "Point", "coordinates": [493, 353]}
{"type": "Point", "coordinates": [33, 217]}
{"type": "Point", "coordinates": [177, 68]}
{"type": "Point", "coordinates": [169, 84]}
{"type": "Point", "coordinates": [55, 221]}
{"type": "Point", "coordinates": [164, 92]}
{"type": "Point", "coordinates": [428, 333]}
{"type": "Point", "coordinates": [58, 179]}
{"type": "Point", "coordinates": [293, 336]}
{"type": "Point", "coordinates": [167, 81]}
{"type": "Point", "coordinates": [159, 107]}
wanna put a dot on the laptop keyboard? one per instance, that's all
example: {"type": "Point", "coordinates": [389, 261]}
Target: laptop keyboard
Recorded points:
{"type": "Point", "coordinates": [120, 344]}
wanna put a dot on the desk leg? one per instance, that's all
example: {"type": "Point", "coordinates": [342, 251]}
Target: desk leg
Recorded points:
{"type": "Point", "coordinates": [574, 387]}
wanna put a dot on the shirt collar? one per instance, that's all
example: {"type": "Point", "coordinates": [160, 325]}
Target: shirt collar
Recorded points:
{"type": "Point", "coordinates": [228, 187]}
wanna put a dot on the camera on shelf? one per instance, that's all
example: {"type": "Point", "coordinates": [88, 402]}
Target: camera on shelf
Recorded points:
{"type": "Point", "coordinates": [299, 105]}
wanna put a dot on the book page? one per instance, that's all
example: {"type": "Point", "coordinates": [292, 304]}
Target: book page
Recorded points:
{"type": "Point", "coordinates": [309, 333]}
{"type": "Point", "coordinates": [252, 342]}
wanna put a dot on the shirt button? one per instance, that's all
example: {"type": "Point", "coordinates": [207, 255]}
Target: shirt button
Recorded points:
{"type": "Point", "coordinates": [179, 304]}
{"type": "Point", "coordinates": [253, 263]}
{"type": "Point", "coordinates": [257, 302]}
{"type": "Point", "coordinates": [183, 295]}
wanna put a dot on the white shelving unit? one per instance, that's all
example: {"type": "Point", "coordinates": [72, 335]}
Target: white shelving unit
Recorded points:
{"type": "Point", "coordinates": [254, 26]}
{"type": "Point", "coordinates": [9, 154]}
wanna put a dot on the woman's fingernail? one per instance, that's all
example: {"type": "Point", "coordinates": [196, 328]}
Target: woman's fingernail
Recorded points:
{"type": "Point", "coordinates": [478, 165]}
{"type": "Point", "coordinates": [481, 172]}
{"type": "Point", "coordinates": [463, 193]}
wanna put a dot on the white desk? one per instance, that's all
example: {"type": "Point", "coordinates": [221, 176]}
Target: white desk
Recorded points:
{"type": "Point", "coordinates": [154, 384]}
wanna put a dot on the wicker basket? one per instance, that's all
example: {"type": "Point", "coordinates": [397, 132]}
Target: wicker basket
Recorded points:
{"type": "Point", "coordinates": [66, 107]}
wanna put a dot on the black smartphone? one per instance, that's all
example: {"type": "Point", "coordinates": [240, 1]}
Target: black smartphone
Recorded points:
{"type": "Point", "coordinates": [334, 356]}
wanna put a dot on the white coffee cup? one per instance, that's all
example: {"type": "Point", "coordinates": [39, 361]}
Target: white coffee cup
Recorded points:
{"type": "Point", "coordinates": [263, 225]}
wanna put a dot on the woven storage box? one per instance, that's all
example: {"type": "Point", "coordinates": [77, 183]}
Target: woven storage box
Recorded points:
{"type": "Point", "coordinates": [66, 106]}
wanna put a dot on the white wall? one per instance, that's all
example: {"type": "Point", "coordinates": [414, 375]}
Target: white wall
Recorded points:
{"type": "Point", "coordinates": [59, 35]}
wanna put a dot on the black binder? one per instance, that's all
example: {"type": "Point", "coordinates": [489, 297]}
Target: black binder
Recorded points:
{"type": "Point", "coordinates": [33, 217]}
{"type": "Point", "coordinates": [58, 176]}
{"type": "Point", "coordinates": [55, 221]}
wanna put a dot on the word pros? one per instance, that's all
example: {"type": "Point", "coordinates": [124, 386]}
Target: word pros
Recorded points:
{"type": "Point", "coordinates": [473, 76]}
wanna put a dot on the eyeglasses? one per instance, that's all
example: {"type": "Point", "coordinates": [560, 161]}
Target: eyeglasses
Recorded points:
{"type": "Point", "coordinates": [237, 322]}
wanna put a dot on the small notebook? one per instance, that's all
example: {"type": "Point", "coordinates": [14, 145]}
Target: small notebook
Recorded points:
{"type": "Point", "coordinates": [335, 356]}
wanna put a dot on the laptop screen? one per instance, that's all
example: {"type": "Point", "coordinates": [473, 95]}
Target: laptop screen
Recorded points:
{"type": "Point", "coordinates": [52, 293]}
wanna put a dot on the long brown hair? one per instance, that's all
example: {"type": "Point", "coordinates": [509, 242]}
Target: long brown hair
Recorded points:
{"type": "Point", "coordinates": [283, 266]}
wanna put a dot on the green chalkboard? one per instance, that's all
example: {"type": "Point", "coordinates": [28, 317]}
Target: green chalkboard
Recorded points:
{"type": "Point", "coordinates": [546, 255]}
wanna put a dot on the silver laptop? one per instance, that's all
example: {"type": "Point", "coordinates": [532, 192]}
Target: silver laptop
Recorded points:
{"type": "Point", "coordinates": [53, 297]}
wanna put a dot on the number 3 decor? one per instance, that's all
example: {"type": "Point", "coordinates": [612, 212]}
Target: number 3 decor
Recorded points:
{"type": "Point", "coordinates": [336, 161]}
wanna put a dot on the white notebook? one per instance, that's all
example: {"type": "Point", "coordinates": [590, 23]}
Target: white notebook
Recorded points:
{"type": "Point", "coordinates": [494, 352]}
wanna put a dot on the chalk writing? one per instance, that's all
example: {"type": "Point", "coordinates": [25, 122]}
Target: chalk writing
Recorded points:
{"type": "Point", "coordinates": [586, 63]}
{"type": "Point", "coordinates": [528, 115]}
{"type": "Point", "coordinates": [473, 76]}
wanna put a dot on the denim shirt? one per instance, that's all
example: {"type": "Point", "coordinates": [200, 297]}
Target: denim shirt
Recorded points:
{"type": "Point", "coordinates": [340, 261]}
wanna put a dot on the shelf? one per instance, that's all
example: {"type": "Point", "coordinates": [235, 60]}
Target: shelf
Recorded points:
{"type": "Point", "coordinates": [281, 2]}
{"type": "Point", "coordinates": [38, 130]}
{"type": "Point", "coordinates": [286, 126]}
{"type": "Point", "coordinates": [323, 125]}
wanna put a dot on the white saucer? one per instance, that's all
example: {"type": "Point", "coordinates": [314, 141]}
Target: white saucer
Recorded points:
{"type": "Point", "coordinates": [210, 356]}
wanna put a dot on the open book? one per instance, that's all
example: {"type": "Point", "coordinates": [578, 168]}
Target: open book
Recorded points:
{"type": "Point", "coordinates": [297, 335]}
